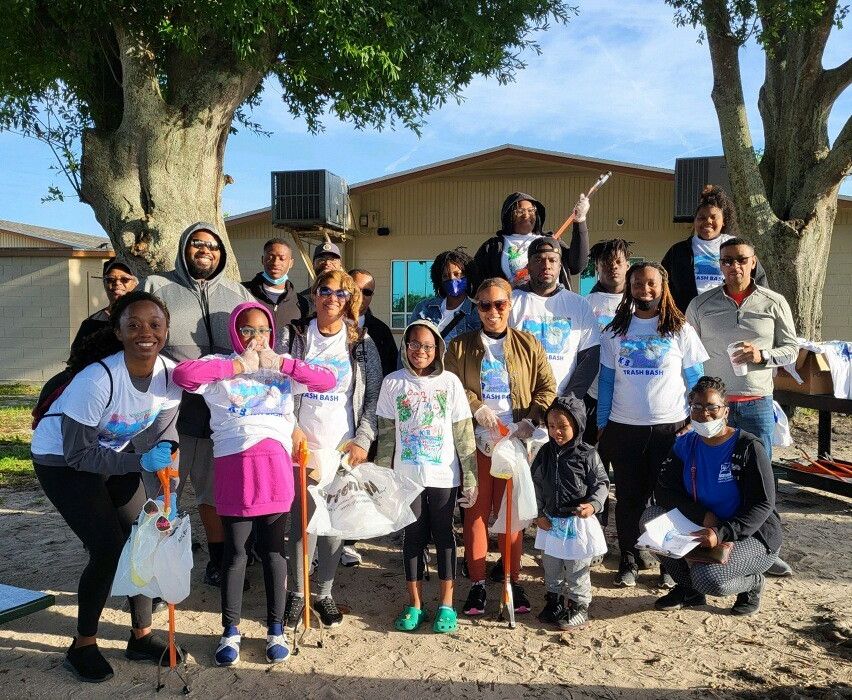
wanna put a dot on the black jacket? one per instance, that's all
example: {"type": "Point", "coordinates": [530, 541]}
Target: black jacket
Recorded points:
{"type": "Point", "coordinates": [96, 322]}
{"type": "Point", "coordinates": [679, 262]}
{"type": "Point", "coordinates": [752, 470]}
{"type": "Point", "coordinates": [289, 307]}
{"type": "Point", "coordinates": [487, 261]}
{"type": "Point", "coordinates": [568, 475]}
{"type": "Point", "coordinates": [385, 342]}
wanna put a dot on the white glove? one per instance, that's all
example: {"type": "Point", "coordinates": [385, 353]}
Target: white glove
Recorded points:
{"type": "Point", "coordinates": [468, 499]}
{"type": "Point", "coordinates": [250, 360]}
{"type": "Point", "coordinates": [268, 358]}
{"type": "Point", "coordinates": [581, 208]}
{"type": "Point", "coordinates": [485, 417]}
{"type": "Point", "coordinates": [525, 429]}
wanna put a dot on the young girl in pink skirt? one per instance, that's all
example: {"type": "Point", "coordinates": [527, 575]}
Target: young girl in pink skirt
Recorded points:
{"type": "Point", "coordinates": [251, 416]}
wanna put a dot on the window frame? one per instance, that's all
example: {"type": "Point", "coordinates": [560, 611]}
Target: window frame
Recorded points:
{"type": "Point", "coordinates": [407, 311]}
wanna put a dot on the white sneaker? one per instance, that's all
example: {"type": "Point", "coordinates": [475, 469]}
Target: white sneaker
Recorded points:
{"type": "Point", "coordinates": [350, 556]}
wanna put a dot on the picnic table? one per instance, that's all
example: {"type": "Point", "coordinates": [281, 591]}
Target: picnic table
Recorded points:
{"type": "Point", "coordinates": [19, 602]}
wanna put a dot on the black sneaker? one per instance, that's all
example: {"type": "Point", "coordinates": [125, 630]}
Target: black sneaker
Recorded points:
{"type": "Point", "coordinates": [554, 608]}
{"type": "Point", "coordinates": [680, 597]}
{"type": "Point", "coordinates": [748, 603]}
{"type": "Point", "coordinates": [627, 572]}
{"type": "Point", "coordinates": [475, 603]}
{"type": "Point", "coordinates": [151, 648]}
{"type": "Point", "coordinates": [87, 663]}
{"type": "Point", "coordinates": [293, 609]}
{"type": "Point", "coordinates": [496, 574]}
{"type": "Point", "coordinates": [159, 605]}
{"type": "Point", "coordinates": [522, 603]}
{"type": "Point", "coordinates": [575, 617]}
{"type": "Point", "coordinates": [328, 612]}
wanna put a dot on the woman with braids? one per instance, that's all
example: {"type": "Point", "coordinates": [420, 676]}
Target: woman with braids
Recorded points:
{"type": "Point", "coordinates": [451, 309]}
{"type": "Point", "coordinates": [650, 358]}
{"type": "Point", "coordinates": [88, 450]}
{"type": "Point", "coordinates": [342, 417]}
{"type": "Point", "coordinates": [720, 477]}
{"type": "Point", "coordinates": [693, 264]}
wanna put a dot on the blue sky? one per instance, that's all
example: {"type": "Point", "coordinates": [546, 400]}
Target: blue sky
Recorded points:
{"type": "Point", "coordinates": [620, 82]}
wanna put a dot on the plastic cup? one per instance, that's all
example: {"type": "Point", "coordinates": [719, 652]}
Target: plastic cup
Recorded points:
{"type": "Point", "coordinates": [740, 369]}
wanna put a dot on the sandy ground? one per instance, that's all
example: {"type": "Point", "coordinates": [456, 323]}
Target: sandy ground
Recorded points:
{"type": "Point", "coordinates": [794, 648]}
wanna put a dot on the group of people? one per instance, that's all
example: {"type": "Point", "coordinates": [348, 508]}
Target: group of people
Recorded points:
{"type": "Point", "coordinates": [662, 374]}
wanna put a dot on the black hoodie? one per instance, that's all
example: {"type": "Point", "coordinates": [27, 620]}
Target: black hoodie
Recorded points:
{"type": "Point", "coordinates": [567, 475]}
{"type": "Point", "coordinates": [488, 259]}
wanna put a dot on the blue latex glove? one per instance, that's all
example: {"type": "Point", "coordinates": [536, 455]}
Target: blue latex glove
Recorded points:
{"type": "Point", "coordinates": [173, 509]}
{"type": "Point", "coordinates": [158, 457]}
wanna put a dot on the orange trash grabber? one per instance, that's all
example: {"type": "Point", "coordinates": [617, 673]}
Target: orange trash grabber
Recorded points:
{"type": "Point", "coordinates": [507, 601]}
{"type": "Point", "coordinates": [594, 188]}
{"type": "Point", "coordinates": [302, 461]}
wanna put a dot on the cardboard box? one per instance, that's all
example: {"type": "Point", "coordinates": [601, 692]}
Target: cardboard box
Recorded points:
{"type": "Point", "coordinates": [813, 369]}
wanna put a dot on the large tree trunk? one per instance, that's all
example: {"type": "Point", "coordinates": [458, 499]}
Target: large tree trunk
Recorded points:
{"type": "Point", "coordinates": [160, 170]}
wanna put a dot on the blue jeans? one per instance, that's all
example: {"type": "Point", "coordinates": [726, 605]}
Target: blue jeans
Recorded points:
{"type": "Point", "coordinates": [756, 417]}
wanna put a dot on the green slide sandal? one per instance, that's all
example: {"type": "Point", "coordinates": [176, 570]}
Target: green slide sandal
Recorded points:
{"type": "Point", "coordinates": [410, 619]}
{"type": "Point", "coordinates": [445, 621]}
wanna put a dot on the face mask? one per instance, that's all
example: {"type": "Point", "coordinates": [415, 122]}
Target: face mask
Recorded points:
{"type": "Point", "coordinates": [455, 288]}
{"type": "Point", "coordinates": [709, 429]}
{"type": "Point", "coordinates": [647, 304]}
{"type": "Point", "coordinates": [275, 282]}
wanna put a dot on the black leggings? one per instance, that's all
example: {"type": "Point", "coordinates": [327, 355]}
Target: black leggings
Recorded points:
{"type": "Point", "coordinates": [269, 544]}
{"type": "Point", "coordinates": [100, 511]}
{"type": "Point", "coordinates": [434, 512]}
{"type": "Point", "coordinates": [636, 453]}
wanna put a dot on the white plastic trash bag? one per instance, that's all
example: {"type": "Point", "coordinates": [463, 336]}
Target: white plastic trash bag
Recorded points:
{"type": "Point", "coordinates": [156, 562]}
{"type": "Point", "coordinates": [572, 538]}
{"type": "Point", "coordinates": [781, 434]}
{"type": "Point", "coordinates": [367, 502]}
{"type": "Point", "coordinates": [510, 460]}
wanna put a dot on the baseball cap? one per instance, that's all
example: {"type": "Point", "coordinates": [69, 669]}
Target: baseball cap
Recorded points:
{"type": "Point", "coordinates": [544, 244]}
{"type": "Point", "coordinates": [113, 263]}
{"type": "Point", "coordinates": [327, 249]}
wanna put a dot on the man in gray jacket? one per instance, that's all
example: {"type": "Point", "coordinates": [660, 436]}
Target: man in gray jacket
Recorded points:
{"type": "Point", "coordinates": [200, 300]}
{"type": "Point", "coordinates": [758, 326]}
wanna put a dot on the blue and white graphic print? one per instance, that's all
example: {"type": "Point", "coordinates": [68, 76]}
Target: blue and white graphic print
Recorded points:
{"type": "Point", "coordinates": [707, 271]}
{"type": "Point", "coordinates": [495, 379]}
{"type": "Point", "coordinates": [553, 333]}
{"type": "Point", "coordinates": [257, 393]}
{"type": "Point", "coordinates": [643, 354]}
{"type": "Point", "coordinates": [119, 429]}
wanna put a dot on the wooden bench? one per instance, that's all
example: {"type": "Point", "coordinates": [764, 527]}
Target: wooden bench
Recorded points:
{"type": "Point", "coordinates": [20, 602]}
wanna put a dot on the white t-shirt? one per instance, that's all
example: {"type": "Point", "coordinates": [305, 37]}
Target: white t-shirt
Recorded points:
{"type": "Point", "coordinates": [423, 410]}
{"type": "Point", "coordinates": [649, 385]}
{"type": "Point", "coordinates": [603, 306]}
{"type": "Point", "coordinates": [249, 408]}
{"type": "Point", "coordinates": [327, 419]}
{"type": "Point", "coordinates": [705, 261]}
{"type": "Point", "coordinates": [446, 315]}
{"type": "Point", "coordinates": [129, 412]}
{"type": "Point", "coordinates": [515, 254]}
{"type": "Point", "coordinates": [494, 378]}
{"type": "Point", "coordinates": [273, 293]}
{"type": "Point", "coordinates": [563, 323]}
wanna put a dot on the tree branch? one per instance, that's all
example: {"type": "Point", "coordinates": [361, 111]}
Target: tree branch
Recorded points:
{"type": "Point", "coordinates": [830, 171]}
{"type": "Point", "coordinates": [833, 82]}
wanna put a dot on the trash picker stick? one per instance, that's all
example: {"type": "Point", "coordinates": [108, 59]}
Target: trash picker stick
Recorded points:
{"type": "Point", "coordinates": [302, 459]}
{"type": "Point", "coordinates": [594, 188]}
{"type": "Point", "coordinates": [508, 599]}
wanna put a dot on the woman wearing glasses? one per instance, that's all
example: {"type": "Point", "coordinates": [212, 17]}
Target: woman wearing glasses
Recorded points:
{"type": "Point", "coordinates": [650, 358]}
{"type": "Point", "coordinates": [251, 415]}
{"type": "Point", "coordinates": [344, 417]}
{"type": "Point", "coordinates": [118, 280]}
{"type": "Point", "coordinates": [89, 449]}
{"type": "Point", "coordinates": [721, 478]}
{"type": "Point", "coordinates": [507, 379]}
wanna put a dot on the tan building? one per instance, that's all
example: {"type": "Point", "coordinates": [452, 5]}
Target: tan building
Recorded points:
{"type": "Point", "coordinates": [49, 282]}
{"type": "Point", "coordinates": [457, 202]}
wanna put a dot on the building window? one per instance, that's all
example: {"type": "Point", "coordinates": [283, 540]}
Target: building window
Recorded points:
{"type": "Point", "coordinates": [411, 283]}
{"type": "Point", "coordinates": [589, 277]}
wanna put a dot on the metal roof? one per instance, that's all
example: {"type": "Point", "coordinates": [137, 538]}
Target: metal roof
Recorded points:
{"type": "Point", "coordinates": [70, 239]}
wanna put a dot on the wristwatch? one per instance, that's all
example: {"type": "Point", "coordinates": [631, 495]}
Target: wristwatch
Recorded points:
{"type": "Point", "coordinates": [764, 357]}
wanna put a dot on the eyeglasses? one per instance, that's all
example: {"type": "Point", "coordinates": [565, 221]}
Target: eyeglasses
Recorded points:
{"type": "Point", "coordinates": [741, 260]}
{"type": "Point", "coordinates": [116, 281]}
{"type": "Point", "coordinates": [415, 346]}
{"type": "Point", "coordinates": [713, 409]}
{"type": "Point", "coordinates": [367, 292]}
{"type": "Point", "coordinates": [525, 211]}
{"type": "Point", "coordinates": [252, 332]}
{"type": "Point", "coordinates": [209, 245]}
{"type": "Point", "coordinates": [341, 294]}
{"type": "Point", "coordinates": [500, 305]}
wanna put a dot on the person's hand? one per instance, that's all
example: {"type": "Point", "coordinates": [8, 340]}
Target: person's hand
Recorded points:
{"type": "Point", "coordinates": [543, 522]}
{"type": "Point", "coordinates": [157, 458]}
{"type": "Point", "coordinates": [707, 537]}
{"type": "Point", "coordinates": [355, 454]}
{"type": "Point", "coordinates": [601, 432]}
{"type": "Point", "coordinates": [268, 358]}
{"type": "Point", "coordinates": [249, 359]}
{"type": "Point", "coordinates": [469, 496]}
{"type": "Point", "coordinates": [710, 520]}
{"type": "Point", "coordinates": [581, 208]}
{"type": "Point", "coordinates": [584, 510]}
{"type": "Point", "coordinates": [485, 417]}
{"type": "Point", "coordinates": [748, 352]}
{"type": "Point", "coordinates": [524, 429]}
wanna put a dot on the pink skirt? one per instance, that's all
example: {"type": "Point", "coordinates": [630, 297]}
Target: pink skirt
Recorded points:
{"type": "Point", "coordinates": [258, 481]}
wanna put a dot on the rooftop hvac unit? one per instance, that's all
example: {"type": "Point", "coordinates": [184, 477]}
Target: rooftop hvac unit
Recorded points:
{"type": "Point", "coordinates": [691, 175]}
{"type": "Point", "coordinates": [309, 199]}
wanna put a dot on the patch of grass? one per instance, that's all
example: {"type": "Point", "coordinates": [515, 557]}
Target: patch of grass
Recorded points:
{"type": "Point", "coordinates": [16, 467]}
{"type": "Point", "coordinates": [20, 390]}
{"type": "Point", "coordinates": [15, 422]}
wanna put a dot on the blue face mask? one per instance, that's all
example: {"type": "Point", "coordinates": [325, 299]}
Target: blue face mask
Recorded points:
{"type": "Point", "coordinates": [455, 288]}
{"type": "Point", "coordinates": [275, 282]}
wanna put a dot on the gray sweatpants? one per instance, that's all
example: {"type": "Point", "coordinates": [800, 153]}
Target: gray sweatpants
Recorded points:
{"type": "Point", "coordinates": [328, 549]}
{"type": "Point", "coordinates": [568, 577]}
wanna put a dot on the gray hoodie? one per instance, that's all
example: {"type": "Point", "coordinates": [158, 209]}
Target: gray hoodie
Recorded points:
{"type": "Point", "coordinates": [199, 311]}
